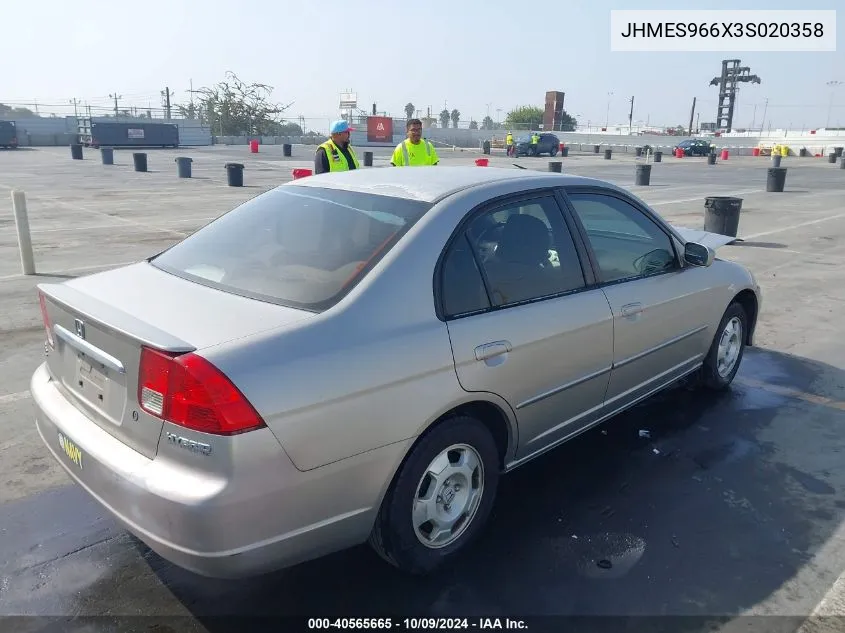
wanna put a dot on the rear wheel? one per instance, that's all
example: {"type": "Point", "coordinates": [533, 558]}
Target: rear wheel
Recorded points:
{"type": "Point", "coordinates": [553, 152]}
{"type": "Point", "coordinates": [726, 350]}
{"type": "Point", "coordinates": [441, 497]}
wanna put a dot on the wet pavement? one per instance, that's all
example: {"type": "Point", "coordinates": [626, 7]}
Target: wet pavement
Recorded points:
{"type": "Point", "coordinates": [724, 502]}
{"type": "Point", "coordinates": [728, 504]}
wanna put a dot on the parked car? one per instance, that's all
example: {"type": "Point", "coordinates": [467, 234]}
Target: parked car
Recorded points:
{"type": "Point", "coordinates": [360, 356]}
{"type": "Point", "coordinates": [8, 135]}
{"type": "Point", "coordinates": [549, 144]}
{"type": "Point", "coordinates": [694, 147]}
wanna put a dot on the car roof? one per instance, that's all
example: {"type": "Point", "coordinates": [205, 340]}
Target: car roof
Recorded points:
{"type": "Point", "coordinates": [434, 184]}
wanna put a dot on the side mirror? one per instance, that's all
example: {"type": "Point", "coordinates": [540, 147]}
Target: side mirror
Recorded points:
{"type": "Point", "coordinates": [698, 254]}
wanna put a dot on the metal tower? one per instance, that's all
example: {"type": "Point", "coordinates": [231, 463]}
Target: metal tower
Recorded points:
{"type": "Point", "coordinates": [732, 74]}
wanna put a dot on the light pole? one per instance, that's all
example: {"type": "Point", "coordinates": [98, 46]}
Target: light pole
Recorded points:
{"type": "Point", "coordinates": [832, 85]}
{"type": "Point", "coordinates": [607, 116]}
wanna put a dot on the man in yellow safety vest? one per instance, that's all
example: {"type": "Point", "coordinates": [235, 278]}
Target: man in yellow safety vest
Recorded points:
{"type": "Point", "coordinates": [509, 143]}
{"type": "Point", "coordinates": [414, 151]}
{"type": "Point", "coordinates": [535, 141]}
{"type": "Point", "coordinates": [336, 154]}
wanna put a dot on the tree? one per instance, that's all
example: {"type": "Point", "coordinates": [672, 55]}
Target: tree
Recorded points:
{"type": "Point", "coordinates": [456, 117]}
{"type": "Point", "coordinates": [473, 125]}
{"type": "Point", "coordinates": [445, 117]}
{"type": "Point", "coordinates": [487, 123]}
{"type": "Point", "coordinates": [409, 110]}
{"type": "Point", "coordinates": [10, 112]}
{"type": "Point", "coordinates": [233, 107]}
{"type": "Point", "coordinates": [525, 118]}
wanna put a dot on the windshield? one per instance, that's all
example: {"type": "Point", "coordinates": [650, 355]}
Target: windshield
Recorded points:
{"type": "Point", "coordinates": [523, 139]}
{"type": "Point", "coordinates": [303, 247]}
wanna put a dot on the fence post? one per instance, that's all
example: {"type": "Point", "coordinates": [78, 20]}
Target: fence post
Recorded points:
{"type": "Point", "coordinates": [22, 227]}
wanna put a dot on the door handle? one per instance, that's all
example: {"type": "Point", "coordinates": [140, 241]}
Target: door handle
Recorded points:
{"type": "Point", "coordinates": [489, 350]}
{"type": "Point", "coordinates": [630, 309]}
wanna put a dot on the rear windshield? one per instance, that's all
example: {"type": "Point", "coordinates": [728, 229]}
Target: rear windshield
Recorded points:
{"type": "Point", "coordinates": [303, 247]}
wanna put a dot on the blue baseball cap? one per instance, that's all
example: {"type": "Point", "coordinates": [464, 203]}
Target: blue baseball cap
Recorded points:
{"type": "Point", "coordinates": [339, 127]}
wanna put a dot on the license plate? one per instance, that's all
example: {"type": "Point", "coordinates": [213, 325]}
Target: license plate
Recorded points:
{"type": "Point", "coordinates": [71, 450]}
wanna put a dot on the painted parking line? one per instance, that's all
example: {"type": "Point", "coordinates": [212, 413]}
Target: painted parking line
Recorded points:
{"type": "Point", "coordinates": [72, 270]}
{"type": "Point", "coordinates": [14, 397]}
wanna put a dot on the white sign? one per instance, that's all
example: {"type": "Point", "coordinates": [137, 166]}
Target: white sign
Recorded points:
{"type": "Point", "coordinates": [135, 133]}
{"type": "Point", "coordinates": [723, 31]}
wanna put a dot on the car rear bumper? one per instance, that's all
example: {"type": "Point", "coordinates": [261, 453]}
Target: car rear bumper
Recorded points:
{"type": "Point", "coordinates": [262, 515]}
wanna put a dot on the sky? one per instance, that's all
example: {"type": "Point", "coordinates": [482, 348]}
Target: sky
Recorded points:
{"type": "Point", "coordinates": [479, 56]}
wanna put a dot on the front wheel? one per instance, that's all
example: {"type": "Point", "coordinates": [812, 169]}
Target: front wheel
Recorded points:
{"type": "Point", "coordinates": [441, 497]}
{"type": "Point", "coordinates": [726, 351]}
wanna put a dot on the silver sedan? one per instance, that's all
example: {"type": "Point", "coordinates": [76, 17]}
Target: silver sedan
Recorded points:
{"type": "Point", "coordinates": [360, 356]}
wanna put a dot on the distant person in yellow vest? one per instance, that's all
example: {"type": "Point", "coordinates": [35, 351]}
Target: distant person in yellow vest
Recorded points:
{"type": "Point", "coordinates": [414, 151]}
{"type": "Point", "coordinates": [509, 143]}
{"type": "Point", "coordinates": [535, 141]}
{"type": "Point", "coordinates": [336, 154]}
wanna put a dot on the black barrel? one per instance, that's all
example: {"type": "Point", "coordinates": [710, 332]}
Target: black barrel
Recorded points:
{"type": "Point", "coordinates": [831, 158]}
{"type": "Point", "coordinates": [776, 160]}
{"type": "Point", "coordinates": [368, 159]}
{"type": "Point", "coordinates": [596, 149]}
{"type": "Point", "coordinates": [485, 147]}
{"type": "Point", "coordinates": [107, 153]}
{"type": "Point", "coordinates": [183, 166]}
{"type": "Point", "coordinates": [564, 151]}
{"type": "Point", "coordinates": [803, 153]}
{"type": "Point", "coordinates": [76, 151]}
{"type": "Point", "coordinates": [711, 158]}
{"type": "Point", "coordinates": [555, 166]}
{"type": "Point", "coordinates": [639, 151]}
{"type": "Point", "coordinates": [643, 174]}
{"type": "Point", "coordinates": [838, 152]}
{"type": "Point", "coordinates": [235, 174]}
{"type": "Point", "coordinates": [286, 149]}
{"type": "Point", "coordinates": [721, 215]}
{"type": "Point", "coordinates": [842, 163]}
{"type": "Point", "coordinates": [139, 159]}
{"type": "Point", "coordinates": [658, 157]}
{"type": "Point", "coordinates": [776, 179]}
{"type": "Point", "coordinates": [607, 154]}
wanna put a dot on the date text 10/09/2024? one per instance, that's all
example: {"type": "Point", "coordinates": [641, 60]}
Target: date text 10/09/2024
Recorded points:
{"type": "Point", "coordinates": [416, 624]}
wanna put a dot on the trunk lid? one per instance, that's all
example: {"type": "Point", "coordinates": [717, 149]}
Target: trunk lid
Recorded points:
{"type": "Point", "coordinates": [100, 322]}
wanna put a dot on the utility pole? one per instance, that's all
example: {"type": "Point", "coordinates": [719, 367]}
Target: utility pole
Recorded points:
{"type": "Point", "coordinates": [166, 94]}
{"type": "Point", "coordinates": [607, 115]}
{"type": "Point", "coordinates": [765, 109]}
{"type": "Point", "coordinates": [832, 85]}
{"type": "Point", "coordinates": [115, 96]}
{"type": "Point", "coordinates": [74, 101]}
{"type": "Point", "coordinates": [691, 116]}
{"type": "Point", "coordinates": [631, 117]}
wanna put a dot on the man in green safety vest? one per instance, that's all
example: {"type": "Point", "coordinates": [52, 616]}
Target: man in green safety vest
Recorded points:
{"type": "Point", "coordinates": [414, 151]}
{"type": "Point", "coordinates": [535, 140]}
{"type": "Point", "coordinates": [336, 154]}
{"type": "Point", "coordinates": [509, 143]}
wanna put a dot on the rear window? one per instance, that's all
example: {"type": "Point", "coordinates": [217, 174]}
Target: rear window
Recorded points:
{"type": "Point", "coordinates": [303, 247]}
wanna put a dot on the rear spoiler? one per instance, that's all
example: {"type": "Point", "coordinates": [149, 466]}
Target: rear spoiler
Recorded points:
{"type": "Point", "coordinates": [705, 238]}
{"type": "Point", "coordinates": [109, 317]}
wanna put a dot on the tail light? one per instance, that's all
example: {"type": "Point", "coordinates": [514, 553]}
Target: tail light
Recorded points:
{"type": "Point", "coordinates": [188, 390]}
{"type": "Point", "coordinates": [46, 318]}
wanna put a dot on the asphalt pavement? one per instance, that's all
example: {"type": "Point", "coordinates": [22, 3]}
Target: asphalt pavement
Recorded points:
{"type": "Point", "coordinates": [688, 505]}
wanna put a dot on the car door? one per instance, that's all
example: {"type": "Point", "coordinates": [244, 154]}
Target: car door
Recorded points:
{"type": "Point", "coordinates": [522, 320]}
{"type": "Point", "coordinates": [659, 305]}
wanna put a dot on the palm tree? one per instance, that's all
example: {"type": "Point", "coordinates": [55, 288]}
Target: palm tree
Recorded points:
{"type": "Point", "coordinates": [409, 110]}
{"type": "Point", "coordinates": [456, 116]}
{"type": "Point", "coordinates": [445, 115]}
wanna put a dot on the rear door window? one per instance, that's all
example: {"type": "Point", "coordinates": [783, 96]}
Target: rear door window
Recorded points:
{"type": "Point", "coordinates": [304, 247]}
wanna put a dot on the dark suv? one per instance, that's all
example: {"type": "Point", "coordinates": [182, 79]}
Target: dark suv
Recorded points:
{"type": "Point", "coordinates": [549, 144]}
{"type": "Point", "coordinates": [694, 147]}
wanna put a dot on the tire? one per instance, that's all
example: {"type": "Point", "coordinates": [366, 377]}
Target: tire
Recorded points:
{"type": "Point", "coordinates": [394, 536]}
{"type": "Point", "coordinates": [712, 376]}
{"type": "Point", "coordinates": [553, 153]}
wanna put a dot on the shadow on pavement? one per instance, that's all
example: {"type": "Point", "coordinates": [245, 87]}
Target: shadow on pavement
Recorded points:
{"type": "Point", "coordinates": [713, 507]}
